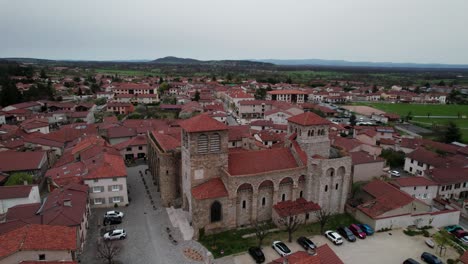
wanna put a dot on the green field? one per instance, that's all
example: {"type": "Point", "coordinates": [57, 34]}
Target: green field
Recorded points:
{"type": "Point", "coordinates": [421, 109]}
{"type": "Point", "coordinates": [462, 123]}
{"type": "Point", "coordinates": [128, 72]}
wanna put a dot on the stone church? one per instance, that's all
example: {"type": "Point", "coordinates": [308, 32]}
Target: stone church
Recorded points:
{"type": "Point", "coordinates": [224, 188]}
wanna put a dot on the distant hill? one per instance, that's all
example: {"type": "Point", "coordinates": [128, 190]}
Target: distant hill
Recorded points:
{"type": "Point", "coordinates": [343, 63]}
{"type": "Point", "coordinates": [188, 61]}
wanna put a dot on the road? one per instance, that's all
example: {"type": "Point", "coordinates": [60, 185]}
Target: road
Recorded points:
{"type": "Point", "coordinates": [147, 240]}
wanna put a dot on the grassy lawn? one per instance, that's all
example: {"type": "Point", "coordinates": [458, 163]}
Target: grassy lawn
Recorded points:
{"type": "Point", "coordinates": [421, 109]}
{"type": "Point", "coordinates": [462, 123]}
{"type": "Point", "coordinates": [231, 242]}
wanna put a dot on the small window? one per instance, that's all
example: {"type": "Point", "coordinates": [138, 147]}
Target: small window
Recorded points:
{"type": "Point", "coordinates": [243, 204]}
{"type": "Point", "coordinates": [115, 188]}
{"type": "Point", "coordinates": [97, 189]}
{"type": "Point", "coordinates": [263, 201]}
{"type": "Point", "coordinates": [326, 188]}
{"type": "Point", "coordinates": [414, 188]}
{"type": "Point", "coordinates": [336, 186]}
{"type": "Point", "coordinates": [42, 257]}
{"type": "Point", "coordinates": [96, 180]}
{"type": "Point", "coordinates": [117, 199]}
{"type": "Point", "coordinates": [129, 149]}
{"type": "Point", "coordinates": [300, 194]}
{"type": "Point", "coordinates": [114, 179]}
{"type": "Point", "coordinates": [98, 201]}
{"type": "Point", "coordinates": [427, 187]}
{"type": "Point", "coordinates": [283, 197]}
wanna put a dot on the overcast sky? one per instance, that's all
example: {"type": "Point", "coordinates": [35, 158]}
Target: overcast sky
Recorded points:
{"type": "Point", "coordinates": [424, 31]}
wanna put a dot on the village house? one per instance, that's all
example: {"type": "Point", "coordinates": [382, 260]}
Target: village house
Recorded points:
{"type": "Point", "coordinates": [420, 160]}
{"type": "Point", "coordinates": [453, 182]}
{"type": "Point", "coordinates": [35, 125]}
{"type": "Point", "coordinates": [290, 96]}
{"type": "Point", "coordinates": [35, 163]}
{"type": "Point", "coordinates": [11, 196]}
{"type": "Point", "coordinates": [133, 148]}
{"type": "Point", "coordinates": [418, 187]}
{"type": "Point", "coordinates": [120, 108]}
{"type": "Point", "coordinates": [365, 166]}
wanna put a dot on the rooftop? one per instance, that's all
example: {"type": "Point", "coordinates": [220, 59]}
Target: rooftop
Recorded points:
{"type": "Point", "coordinates": [202, 123]}
{"type": "Point", "coordinates": [213, 188]}
{"type": "Point", "coordinates": [260, 161]}
{"type": "Point", "coordinates": [308, 119]}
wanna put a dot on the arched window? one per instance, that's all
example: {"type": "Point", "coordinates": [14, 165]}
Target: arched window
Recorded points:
{"type": "Point", "coordinates": [243, 204]}
{"type": "Point", "coordinates": [326, 188]}
{"type": "Point", "coordinates": [215, 142]}
{"type": "Point", "coordinates": [202, 143]}
{"type": "Point", "coordinates": [312, 134]}
{"type": "Point", "coordinates": [283, 197]}
{"type": "Point", "coordinates": [216, 211]}
{"type": "Point", "coordinates": [263, 201]}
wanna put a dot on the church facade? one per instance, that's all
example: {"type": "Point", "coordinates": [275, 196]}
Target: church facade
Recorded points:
{"type": "Point", "coordinates": [224, 188]}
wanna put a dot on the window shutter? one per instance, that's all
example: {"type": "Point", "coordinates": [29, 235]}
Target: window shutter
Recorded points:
{"type": "Point", "coordinates": [102, 188]}
{"type": "Point", "coordinates": [215, 143]}
{"type": "Point", "coordinates": [202, 143]}
{"type": "Point", "coordinates": [109, 188]}
{"type": "Point", "coordinates": [92, 202]}
{"type": "Point", "coordinates": [103, 200]}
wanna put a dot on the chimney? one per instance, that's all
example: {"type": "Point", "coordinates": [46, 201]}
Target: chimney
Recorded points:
{"type": "Point", "coordinates": [67, 203]}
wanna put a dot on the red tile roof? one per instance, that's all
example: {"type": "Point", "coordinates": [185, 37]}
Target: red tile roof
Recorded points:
{"type": "Point", "coordinates": [21, 161]}
{"type": "Point", "coordinates": [139, 140]}
{"type": "Point", "coordinates": [286, 92]}
{"type": "Point", "coordinates": [413, 181]}
{"type": "Point", "coordinates": [436, 160]}
{"type": "Point", "coordinates": [166, 142]}
{"type": "Point", "coordinates": [448, 175]}
{"type": "Point", "coordinates": [202, 123]}
{"type": "Point", "coordinates": [347, 144]}
{"type": "Point", "coordinates": [118, 132]}
{"type": "Point", "coordinates": [236, 133]}
{"type": "Point", "coordinates": [464, 257]}
{"type": "Point", "coordinates": [387, 198]}
{"type": "Point", "coordinates": [362, 157]}
{"type": "Point", "coordinates": [299, 206]}
{"type": "Point", "coordinates": [213, 188]}
{"type": "Point", "coordinates": [26, 213]}
{"type": "Point", "coordinates": [12, 192]}
{"type": "Point", "coordinates": [308, 119]}
{"type": "Point", "coordinates": [38, 238]}
{"type": "Point", "coordinates": [105, 166]}
{"type": "Point", "coordinates": [324, 255]}
{"type": "Point", "coordinates": [48, 262]}
{"type": "Point", "coordinates": [260, 161]}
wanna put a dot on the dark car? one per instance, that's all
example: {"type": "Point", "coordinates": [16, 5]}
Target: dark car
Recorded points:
{"type": "Point", "coordinates": [410, 261]}
{"type": "Point", "coordinates": [306, 243]}
{"type": "Point", "coordinates": [357, 231]}
{"type": "Point", "coordinates": [431, 259]}
{"type": "Point", "coordinates": [111, 220]}
{"type": "Point", "coordinates": [257, 254]}
{"type": "Point", "coordinates": [346, 233]}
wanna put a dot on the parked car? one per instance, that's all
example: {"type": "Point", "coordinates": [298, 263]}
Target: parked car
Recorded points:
{"type": "Point", "coordinates": [464, 240]}
{"type": "Point", "coordinates": [460, 233]}
{"type": "Point", "coordinates": [357, 231]}
{"type": "Point", "coordinates": [453, 228]}
{"type": "Point", "coordinates": [395, 173]}
{"type": "Point", "coordinates": [346, 233]}
{"type": "Point", "coordinates": [115, 234]}
{"type": "Point", "coordinates": [257, 254]}
{"type": "Point", "coordinates": [114, 214]}
{"type": "Point", "coordinates": [334, 237]}
{"type": "Point", "coordinates": [112, 220]}
{"type": "Point", "coordinates": [306, 243]}
{"type": "Point", "coordinates": [410, 261]}
{"type": "Point", "coordinates": [366, 228]}
{"type": "Point", "coordinates": [431, 259]}
{"type": "Point", "coordinates": [281, 248]}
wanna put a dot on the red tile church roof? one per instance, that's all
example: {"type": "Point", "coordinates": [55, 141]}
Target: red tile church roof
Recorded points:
{"type": "Point", "coordinates": [213, 188]}
{"type": "Point", "coordinates": [202, 123]}
{"type": "Point", "coordinates": [252, 162]}
{"type": "Point", "coordinates": [308, 119]}
{"type": "Point", "coordinates": [300, 206]}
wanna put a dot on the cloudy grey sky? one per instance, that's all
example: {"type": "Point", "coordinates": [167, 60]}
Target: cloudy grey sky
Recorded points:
{"type": "Point", "coordinates": [425, 31]}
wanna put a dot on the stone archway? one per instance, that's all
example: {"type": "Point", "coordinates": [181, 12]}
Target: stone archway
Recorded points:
{"type": "Point", "coordinates": [244, 204]}
{"type": "Point", "coordinates": [265, 200]}
{"type": "Point", "coordinates": [285, 189]}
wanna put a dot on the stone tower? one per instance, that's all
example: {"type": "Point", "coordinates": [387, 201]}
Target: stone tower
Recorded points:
{"type": "Point", "coordinates": [311, 133]}
{"type": "Point", "coordinates": [204, 151]}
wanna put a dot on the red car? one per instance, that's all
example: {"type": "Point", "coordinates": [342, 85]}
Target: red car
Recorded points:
{"type": "Point", "coordinates": [357, 231]}
{"type": "Point", "coordinates": [460, 233]}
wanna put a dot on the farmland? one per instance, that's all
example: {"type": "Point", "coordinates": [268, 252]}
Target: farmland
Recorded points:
{"type": "Point", "coordinates": [422, 109]}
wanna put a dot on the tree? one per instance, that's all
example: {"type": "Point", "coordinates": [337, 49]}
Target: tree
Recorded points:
{"type": "Point", "coordinates": [393, 158]}
{"type": "Point", "coordinates": [452, 133]}
{"type": "Point", "coordinates": [409, 116]}
{"type": "Point", "coordinates": [19, 178]}
{"type": "Point", "coordinates": [100, 101]}
{"type": "Point", "coordinates": [374, 89]}
{"type": "Point", "coordinates": [80, 92]}
{"type": "Point", "coordinates": [323, 216]}
{"type": "Point", "coordinates": [291, 222]}
{"type": "Point", "coordinates": [77, 79]}
{"type": "Point", "coordinates": [197, 96]}
{"type": "Point", "coordinates": [261, 231]}
{"type": "Point", "coordinates": [9, 94]}
{"type": "Point", "coordinates": [43, 74]}
{"type": "Point", "coordinates": [352, 119]}
{"type": "Point", "coordinates": [107, 251]}
{"type": "Point", "coordinates": [260, 94]}
{"type": "Point", "coordinates": [161, 80]}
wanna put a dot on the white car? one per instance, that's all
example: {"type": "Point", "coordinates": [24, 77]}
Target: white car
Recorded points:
{"type": "Point", "coordinates": [114, 214]}
{"type": "Point", "coordinates": [281, 248]}
{"type": "Point", "coordinates": [464, 240]}
{"type": "Point", "coordinates": [115, 234]}
{"type": "Point", "coordinates": [395, 173]}
{"type": "Point", "coordinates": [334, 237]}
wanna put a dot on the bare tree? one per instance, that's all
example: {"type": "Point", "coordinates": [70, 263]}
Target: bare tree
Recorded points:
{"type": "Point", "coordinates": [107, 251]}
{"type": "Point", "coordinates": [261, 231]}
{"type": "Point", "coordinates": [323, 216]}
{"type": "Point", "coordinates": [290, 222]}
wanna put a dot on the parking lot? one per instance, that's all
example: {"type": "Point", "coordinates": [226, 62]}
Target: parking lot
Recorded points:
{"type": "Point", "coordinates": [147, 236]}
{"type": "Point", "coordinates": [385, 248]}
